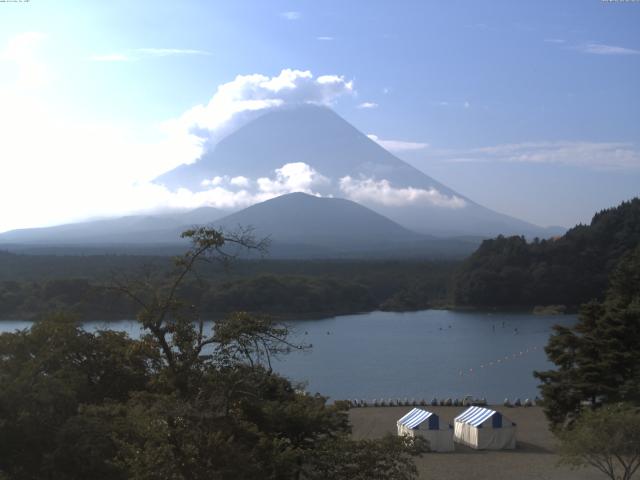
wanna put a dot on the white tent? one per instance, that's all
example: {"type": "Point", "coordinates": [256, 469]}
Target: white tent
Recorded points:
{"type": "Point", "coordinates": [484, 429]}
{"type": "Point", "coordinates": [427, 424]}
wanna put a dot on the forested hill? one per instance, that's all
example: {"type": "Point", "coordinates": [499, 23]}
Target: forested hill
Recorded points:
{"type": "Point", "coordinates": [569, 270]}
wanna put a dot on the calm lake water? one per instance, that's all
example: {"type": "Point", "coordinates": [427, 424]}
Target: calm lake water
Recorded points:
{"type": "Point", "coordinates": [415, 355]}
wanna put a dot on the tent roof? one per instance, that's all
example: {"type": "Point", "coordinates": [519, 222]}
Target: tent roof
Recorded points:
{"type": "Point", "coordinates": [415, 417]}
{"type": "Point", "coordinates": [475, 415]}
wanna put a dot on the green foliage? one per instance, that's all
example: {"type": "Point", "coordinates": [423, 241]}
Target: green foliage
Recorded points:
{"type": "Point", "coordinates": [289, 295]}
{"type": "Point", "coordinates": [607, 439]}
{"type": "Point", "coordinates": [598, 360]}
{"type": "Point", "coordinates": [180, 403]}
{"type": "Point", "coordinates": [387, 458]}
{"type": "Point", "coordinates": [301, 289]}
{"type": "Point", "coordinates": [569, 270]}
{"type": "Point", "coordinates": [46, 374]}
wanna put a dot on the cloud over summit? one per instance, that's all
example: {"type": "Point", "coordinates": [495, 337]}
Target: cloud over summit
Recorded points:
{"type": "Point", "coordinates": [241, 100]}
{"type": "Point", "coordinates": [369, 190]}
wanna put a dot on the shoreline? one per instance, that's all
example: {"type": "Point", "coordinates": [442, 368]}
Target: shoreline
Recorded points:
{"type": "Point", "coordinates": [311, 316]}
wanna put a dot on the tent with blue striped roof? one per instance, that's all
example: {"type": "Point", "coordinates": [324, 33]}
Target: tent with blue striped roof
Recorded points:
{"type": "Point", "coordinates": [484, 429]}
{"type": "Point", "coordinates": [438, 434]}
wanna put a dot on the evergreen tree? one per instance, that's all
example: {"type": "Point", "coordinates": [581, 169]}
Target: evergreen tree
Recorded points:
{"type": "Point", "coordinates": [569, 270]}
{"type": "Point", "coordinates": [598, 359]}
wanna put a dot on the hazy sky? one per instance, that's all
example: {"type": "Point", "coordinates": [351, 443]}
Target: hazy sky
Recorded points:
{"type": "Point", "coordinates": [529, 108]}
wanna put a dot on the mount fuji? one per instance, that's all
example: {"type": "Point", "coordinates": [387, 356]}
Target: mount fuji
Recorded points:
{"type": "Point", "coordinates": [314, 184]}
{"type": "Point", "coordinates": [345, 163]}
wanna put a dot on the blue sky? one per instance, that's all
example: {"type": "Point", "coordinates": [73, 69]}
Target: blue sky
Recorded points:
{"type": "Point", "coordinates": [529, 108]}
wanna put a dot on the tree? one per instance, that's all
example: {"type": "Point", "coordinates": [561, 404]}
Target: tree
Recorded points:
{"type": "Point", "coordinates": [175, 328]}
{"type": "Point", "coordinates": [46, 374]}
{"type": "Point", "coordinates": [569, 270]}
{"type": "Point", "coordinates": [346, 459]}
{"type": "Point", "coordinates": [607, 439]}
{"type": "Point", "coordinates": [227, 412]}
{"type": "Point", "coordinates": [598, 359]}
{"type": "Point", "coordinates": [180, 403]}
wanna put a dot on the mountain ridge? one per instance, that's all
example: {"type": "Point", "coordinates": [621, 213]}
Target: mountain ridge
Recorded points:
{"type": "Point", "coordinates": [320, 138]}
{"type": "Point", "coordinates": [299, 226]}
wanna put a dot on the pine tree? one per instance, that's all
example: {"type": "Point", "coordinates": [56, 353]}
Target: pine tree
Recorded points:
{"type": "Point", "coordinates": [598, 359]}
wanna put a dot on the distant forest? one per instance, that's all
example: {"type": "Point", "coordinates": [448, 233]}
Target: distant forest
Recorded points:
{"type": "Point", "coordinates": [505, 272]}
{"type": "Point", "coordinates": [569, 270]}
{"type": "Point", "coordinates": [33, 285]}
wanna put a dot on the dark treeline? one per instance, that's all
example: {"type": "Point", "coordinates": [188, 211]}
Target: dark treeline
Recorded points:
{"type": "Point", "coordinates": [569, 270]}
{"type": "Point", "coordinates": [33, 285]}
{"type": "Point", "coordinates": [503, 272]}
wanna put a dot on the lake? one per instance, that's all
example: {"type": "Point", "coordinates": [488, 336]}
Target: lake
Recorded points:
{"type": "Point", "coordinates": [417, 355]}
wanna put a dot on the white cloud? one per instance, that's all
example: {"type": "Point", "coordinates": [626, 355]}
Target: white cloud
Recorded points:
{"type": "Point", "coordinates": [324, 39]}
{"type": "Point", "coordinates": [140, 53]}
{"type": "Point", "coordinates": [602, 49]}
{"type": "Point", "coordinates": [291, 15]}
{"type": "Point", "coordinates": [292, 177]}
{"type": "Point", "coordinates": [595, 155]}
{"type": "Point", "coordinates": [466, 104]}
{"type": "Point", "coordinates": [248, 96]}
{"type": "Point", "coordinates": [398, 145]}
{"type": "Point", "coordinates": [554, 40]}
{"type": "Point", "coordinates": [368, 105]}
{"type": "Point", "coordinates": [369, 190]}
{"type": "Point", "coordinates": [57, 170]}
{"type": "Point", "coordinates": [240, 181]}
{"type": "Point", "coordinates": [232, 193]}
{"type": "Point", "coordinates": [212, 182]}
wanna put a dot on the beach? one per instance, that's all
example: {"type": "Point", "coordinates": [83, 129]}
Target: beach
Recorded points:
{"type": "Point", "coordinates": [534, 458]}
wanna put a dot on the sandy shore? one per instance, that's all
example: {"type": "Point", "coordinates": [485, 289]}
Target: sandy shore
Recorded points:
{"type": "Point", "coordinates": [534, 457]}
